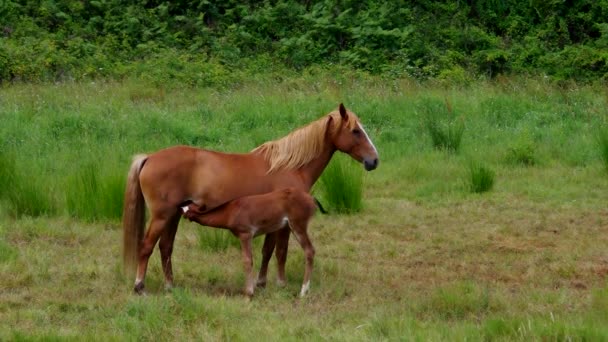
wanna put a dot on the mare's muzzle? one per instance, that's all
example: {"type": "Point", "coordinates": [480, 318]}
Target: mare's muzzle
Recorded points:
{"type": "Point", "coordinates": [370, 164]}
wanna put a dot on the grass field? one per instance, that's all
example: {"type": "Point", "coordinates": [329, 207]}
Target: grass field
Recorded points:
{"type": "Point", "coordinates": [427, 257]}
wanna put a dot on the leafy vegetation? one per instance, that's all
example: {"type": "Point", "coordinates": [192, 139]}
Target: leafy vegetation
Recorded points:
{"type": "Point", "coordinates": [217, 42]}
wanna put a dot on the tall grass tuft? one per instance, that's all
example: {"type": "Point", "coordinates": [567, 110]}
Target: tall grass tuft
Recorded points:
{"type": "Point", "coordinates": [603, 146]}
{"type": "Point", "coordinates": [341, 185]}
{"type": "Point", "coordinates": [22, 192]}
{"type": "Point", "coordinates": [481, 178]}
{"type": "Point", "coordinates": [445, 129]}
{"type": "Point", "coordinates": [216, 240]}
{"type": "Point", "coordinates": [91, 195]}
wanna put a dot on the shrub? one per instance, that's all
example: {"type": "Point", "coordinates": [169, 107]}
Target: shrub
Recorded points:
{"type": "Point", "coordinates": [522, 153]}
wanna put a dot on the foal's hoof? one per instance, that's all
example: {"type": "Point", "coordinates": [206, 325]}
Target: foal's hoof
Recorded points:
{"type": "Point", "coordinates": [281, 282]}
{"type": "Point", "coordinates": [304, 290]}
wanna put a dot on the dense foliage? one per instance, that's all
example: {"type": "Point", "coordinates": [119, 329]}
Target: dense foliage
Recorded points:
{"type": "Point", "coordinates": [204, 42]}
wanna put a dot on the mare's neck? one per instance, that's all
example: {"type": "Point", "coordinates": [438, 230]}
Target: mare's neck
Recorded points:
{"type": "Point", "coordinates": [313, 169]}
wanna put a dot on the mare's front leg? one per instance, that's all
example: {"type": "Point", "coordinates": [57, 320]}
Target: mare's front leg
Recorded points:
{"type": "Point", "coordinates": [281, 254]}
{"type": "Point", "coordinates": [165, 245]}
{"type": "Point", "coordinates": [246, 242]}
{"type": "Point", "coordinates": [267, 249]}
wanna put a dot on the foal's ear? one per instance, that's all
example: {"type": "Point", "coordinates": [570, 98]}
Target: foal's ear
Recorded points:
{"type": "Point", "coordinates": [343, 112]}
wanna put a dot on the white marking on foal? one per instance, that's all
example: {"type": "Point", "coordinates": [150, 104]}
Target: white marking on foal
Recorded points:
{"type": "Point", "coordinates": [367, 137]}
{"type": "Point", "coordinates": [253, 230]}
{"type": "Point", "coordinates": [305, 288]}
{"type": "Point", "coordinates": [185, 209]}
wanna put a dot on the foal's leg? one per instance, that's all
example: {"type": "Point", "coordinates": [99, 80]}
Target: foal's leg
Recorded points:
{"type": "Point", "coordinates": [158, 224]}
{"type": "Point", "coordinates": [165, 245]}
{"type": "Point", "coordinates": [267, 249]}
{"type": "Point", "coordinates": [246, 239]}
{"type": "Point", "coordinates": [281, 254]}
{"type": "Point", "coordinates": [299, 230]}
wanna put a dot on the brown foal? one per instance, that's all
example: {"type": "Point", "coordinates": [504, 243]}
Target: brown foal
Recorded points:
{"type": "Point", "coordinates": [250, 216]}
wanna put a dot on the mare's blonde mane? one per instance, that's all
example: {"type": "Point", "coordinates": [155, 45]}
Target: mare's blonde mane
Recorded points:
{"type": "Point", "coordinates": [302, 145]}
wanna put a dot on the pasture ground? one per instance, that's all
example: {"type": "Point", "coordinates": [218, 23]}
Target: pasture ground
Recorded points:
{"type": "Point", "coordinates": [425, 259]}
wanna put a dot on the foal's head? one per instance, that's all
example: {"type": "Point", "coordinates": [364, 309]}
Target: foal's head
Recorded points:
{"type": "Point", "coordinates": [347, 135]}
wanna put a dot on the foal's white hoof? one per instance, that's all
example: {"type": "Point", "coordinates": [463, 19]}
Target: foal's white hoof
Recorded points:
{"type": "Point", "coordinates": [304, 290]}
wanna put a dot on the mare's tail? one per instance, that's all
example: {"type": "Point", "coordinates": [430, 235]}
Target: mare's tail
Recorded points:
{"type": "Point", "coordinates": [133, 216]}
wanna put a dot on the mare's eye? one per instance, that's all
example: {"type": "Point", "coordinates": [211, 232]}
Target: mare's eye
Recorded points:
{"type": "Point", "coordinates": [356, 131]}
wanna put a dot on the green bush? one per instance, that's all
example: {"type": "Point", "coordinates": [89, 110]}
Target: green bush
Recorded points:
{"type": "Point", "coordinates": [200, 42]}
{"type": "Point", "coordinates": [522, 153]}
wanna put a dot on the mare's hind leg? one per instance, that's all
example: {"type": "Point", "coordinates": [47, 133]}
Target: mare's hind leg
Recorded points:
{"type": "Point", "coordinates": [166, 249]}
{"type": "Point", "coordinates": [281, 254]}
{"type": "Point", "coordinates": [299, 230]}
{"type": "Point", "coordinates": [267, 249]}
{"type": "Point", "coordinates": [158, 224]}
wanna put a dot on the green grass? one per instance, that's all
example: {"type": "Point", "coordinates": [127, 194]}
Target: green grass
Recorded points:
{"type": "Point", "coordinates": [444, 128]}
{"type": "Point", "coordinates": [91, 195]}
{"type": "Point", "coordinates": [23, 193]}
{"type": "Point", "coordinates": [603, 146]}
{"type": "Point", "coordinates": [341, 186]}
{"type": "Point", "coordinates": [216, 240]}
{"type": "Point", "coordinates": [423, 258]}
{"type": "Point", "coordinates": [481, 178]}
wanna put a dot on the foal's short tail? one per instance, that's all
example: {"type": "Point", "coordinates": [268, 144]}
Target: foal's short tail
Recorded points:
{"type": "Point", "coordinates": [133, 216]}
{"type": "Point", "coordinates": [323, 211]}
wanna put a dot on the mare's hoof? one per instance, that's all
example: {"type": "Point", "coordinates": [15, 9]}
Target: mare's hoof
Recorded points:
{"type": "Point", "coordinates": [139, 289]}
{"type": "Point", "coordinates": [261, 283]}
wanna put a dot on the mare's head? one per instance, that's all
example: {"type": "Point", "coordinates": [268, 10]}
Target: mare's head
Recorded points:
{"type": "Point", "coordinates": [348, 136]}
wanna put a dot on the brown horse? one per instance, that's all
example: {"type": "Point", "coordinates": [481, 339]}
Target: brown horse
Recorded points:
{"type": "Point", "coordinates": [250, 216]}
{"type": "Point", "coordinates": [171, 178]}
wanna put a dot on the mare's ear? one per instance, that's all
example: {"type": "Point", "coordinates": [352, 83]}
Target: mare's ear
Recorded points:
{"type": "Point", "coordinates": [343, 112]}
